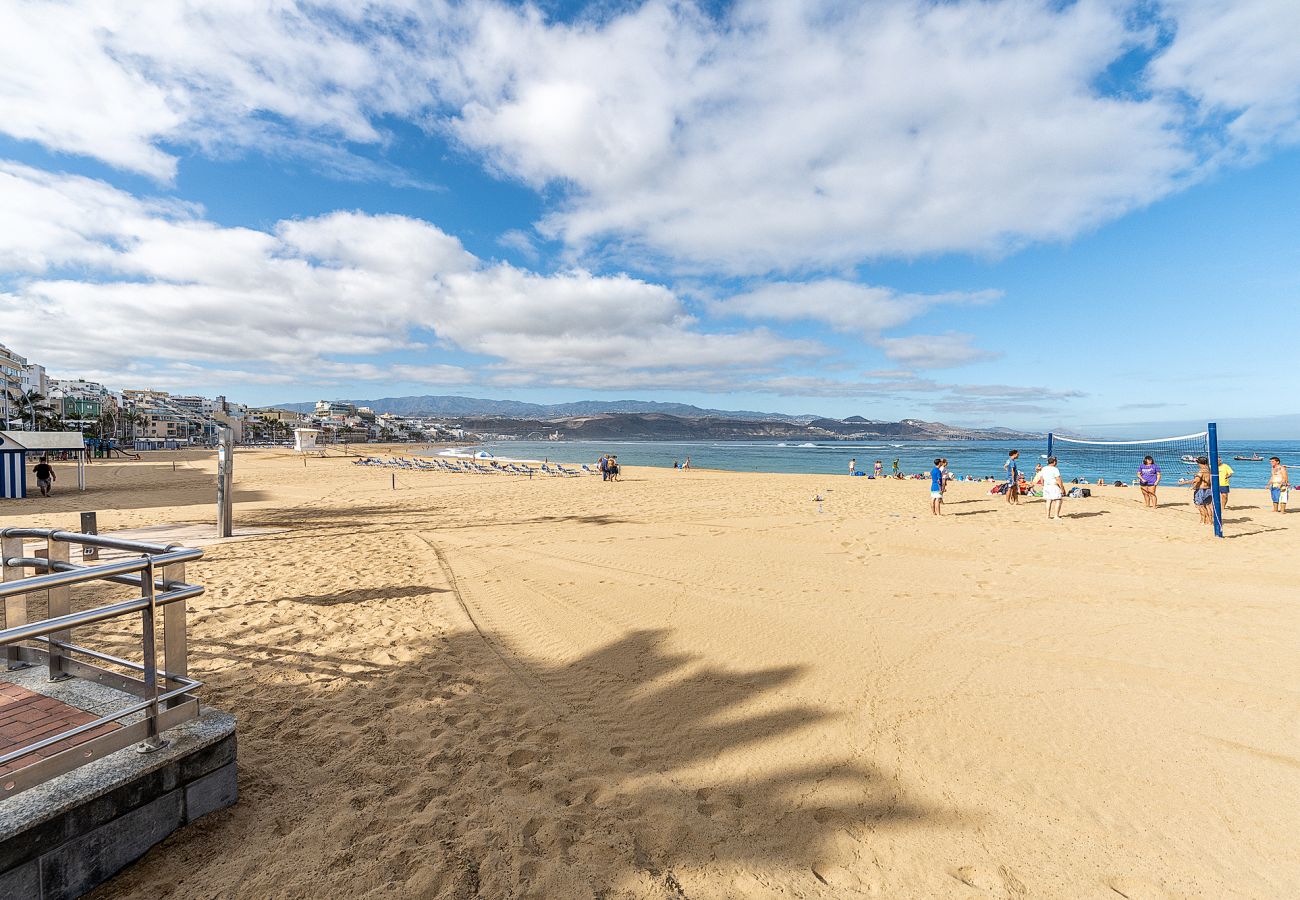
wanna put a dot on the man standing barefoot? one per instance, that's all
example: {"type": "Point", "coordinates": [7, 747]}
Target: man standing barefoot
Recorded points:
{"type": "Point", "coordinates": [936, 488]}
{"type": "Point", "coordinates": [1279, 484]}
{"type": "Point", "coordinates": [1053, 488]}
{"type": "Point", "coordinates": [1225, 479]}
{"type": "Point", "coordinates": [1013, 477]}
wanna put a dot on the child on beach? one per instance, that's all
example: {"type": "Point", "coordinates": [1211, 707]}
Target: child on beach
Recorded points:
{"type": "Point", "coordinates": [1013, 477]}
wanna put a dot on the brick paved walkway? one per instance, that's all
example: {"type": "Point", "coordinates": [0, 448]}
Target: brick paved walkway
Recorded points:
{"type": "Point", "coordinates": [26, 717]}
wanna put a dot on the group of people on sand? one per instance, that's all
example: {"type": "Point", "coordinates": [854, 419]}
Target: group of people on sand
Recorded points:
{"type": "Point", "coordinates": [1202, 485]}
{"type": "Point", "coordinates": [1148, 480]}
{"type": "Point", "coordinates": [1048, 476]}
{"type": "Point", "coordinates": [608, 466]}
{"type": "Point", "coordinates": [877, 470]}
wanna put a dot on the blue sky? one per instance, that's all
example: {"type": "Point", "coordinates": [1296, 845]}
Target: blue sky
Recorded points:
{"type": "Point", "coordinates": [1018, 213]}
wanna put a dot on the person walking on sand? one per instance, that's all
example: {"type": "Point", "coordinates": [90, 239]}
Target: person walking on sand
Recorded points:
{"type": "Point", "coordinates": [895, 466]}
{"type": "Point", "coordinates": [1279, 484]}
{"type": "Point", "coordinates": [853, 465]}
{"type": "Point", "coordinates": [1203, 491]}
{"type": "Point", "coordinates": [1225, 479]}
{"type": "Point", "coordinates": [880, 467]}
{"type": "Point", "coordinates": [1148, 475]}
{"type": "Point", "coordinates": [1013, 477]}
{"type": "Point", "coordinates": [687, 464]}
{"type": "Point", "coordinates": [45, 479]}
{"type": "Point", "coordinates": [1049, 477]}
{"type": "Point", "coordinates": [936, 488]}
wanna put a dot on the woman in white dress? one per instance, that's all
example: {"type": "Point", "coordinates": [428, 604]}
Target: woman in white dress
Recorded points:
{"type": "Point", "coordinates": [1053, 488]}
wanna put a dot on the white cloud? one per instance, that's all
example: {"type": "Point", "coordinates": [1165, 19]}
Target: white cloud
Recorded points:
{"type": "Point", "coordinates": [158, 289]}
{"type": "Point", "coordinates": [117, 80]}
{"type": "Point", "coordinates": [933, 351]}
{"type": "Point", "coordinates": [1239, 61]}
{"type": "Point", "coordinates": [808, 134]}
{"type": "Point", "coordinates": [844, 305]}
{"type": "Point", "coordinates": [788, 135]}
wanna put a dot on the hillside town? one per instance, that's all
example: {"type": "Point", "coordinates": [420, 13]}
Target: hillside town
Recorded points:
{"type": "Point", "coordinates": [148, 419]}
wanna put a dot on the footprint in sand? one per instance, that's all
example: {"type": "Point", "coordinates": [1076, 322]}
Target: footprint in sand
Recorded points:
{"type": "Point", "coordinates": [1136, 888]}
{"type": "Point", "coordinates": [521, 758]}
{"type": "Point", "coordinates": [702, 804]}
{"type": "Point", "coordinates": [621, 752]}
{"type": "Point", "coordinates": [999, 882]}
{"type": "Point", "coordinates": [845, 881]}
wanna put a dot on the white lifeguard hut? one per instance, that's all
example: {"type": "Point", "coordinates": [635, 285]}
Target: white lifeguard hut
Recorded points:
{"type": "Point", "coordinates": [15, 447]}
{"type": "Point", "coordinates": [304, 440]}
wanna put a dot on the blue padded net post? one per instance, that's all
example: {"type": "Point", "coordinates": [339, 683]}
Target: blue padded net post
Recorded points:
{"type": "Point", "coordinates": [1212, 430]}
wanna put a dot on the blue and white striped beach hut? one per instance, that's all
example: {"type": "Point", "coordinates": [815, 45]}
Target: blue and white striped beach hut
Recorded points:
{"type": "Point", "coordinates": [15, 447]}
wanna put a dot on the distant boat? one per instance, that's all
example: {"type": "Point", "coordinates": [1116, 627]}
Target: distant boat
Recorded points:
{"type": "Point", "coordinates": [1255, 458]}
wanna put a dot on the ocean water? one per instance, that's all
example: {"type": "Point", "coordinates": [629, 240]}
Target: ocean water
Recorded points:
{"type": "Point", "coordinates": [974, 458]}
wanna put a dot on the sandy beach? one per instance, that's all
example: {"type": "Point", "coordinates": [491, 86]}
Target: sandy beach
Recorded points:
{"type": "Point", "coordinates": [704, 684]}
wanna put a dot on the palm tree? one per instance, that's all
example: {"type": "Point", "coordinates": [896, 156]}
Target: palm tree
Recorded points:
{"type": "Point", "coordinates": [130, 419]}
{"type": "Point", "coordinates": [33, 400]}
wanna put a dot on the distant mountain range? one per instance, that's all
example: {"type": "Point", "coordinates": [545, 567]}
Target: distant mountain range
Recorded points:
{"type": "Point", "coordinates": [648, 420]}
{"type": "Point", "coordinates": [451, 406]}
{"type": "Point", "coordinates": [660, 427]}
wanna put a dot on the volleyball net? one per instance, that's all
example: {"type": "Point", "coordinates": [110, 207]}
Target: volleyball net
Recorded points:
{"type": "Point", "coordinates": [1117, 462]}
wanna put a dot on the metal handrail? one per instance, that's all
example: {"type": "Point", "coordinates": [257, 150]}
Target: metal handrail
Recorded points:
{"type": "Point", "coordinates": [36, 562]}
{"type": "Point", "coordinates": [91, 616]}
{"type": "Point", "coordinates": [93, 540]}
{"type": "Point", "coordinates": [162, 692]}
{"type": "Point", "coordinates": [94, 573]}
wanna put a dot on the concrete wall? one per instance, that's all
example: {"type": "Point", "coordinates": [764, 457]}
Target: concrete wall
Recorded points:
{"type": "Point", "coordinates": [63, 852]}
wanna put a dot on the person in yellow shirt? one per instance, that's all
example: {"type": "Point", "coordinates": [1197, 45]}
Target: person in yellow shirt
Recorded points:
{"type": "Point", "coordinates": [1225, 476]}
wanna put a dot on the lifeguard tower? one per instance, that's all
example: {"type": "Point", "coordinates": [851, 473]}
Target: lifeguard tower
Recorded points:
{"type": "Point", "coordinates": [15, 447]}
{"type": "Point", "coordinates": [304, 440]}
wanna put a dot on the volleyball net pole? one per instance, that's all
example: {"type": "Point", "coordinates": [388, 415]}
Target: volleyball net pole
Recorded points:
{"type": "Point", "coordinates": [1213, 430]}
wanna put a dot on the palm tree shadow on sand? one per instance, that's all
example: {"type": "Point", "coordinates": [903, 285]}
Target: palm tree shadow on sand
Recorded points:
{"type": "Point", "coordinates": [473, 771]}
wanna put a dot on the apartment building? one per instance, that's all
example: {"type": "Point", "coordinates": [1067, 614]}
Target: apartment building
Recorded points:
{"type": "Point", "coordinates": [81, 403]}
{"type": "Point", "coordinates": [12, 367]}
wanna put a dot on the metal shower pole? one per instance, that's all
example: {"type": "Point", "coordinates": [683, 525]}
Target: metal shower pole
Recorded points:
{"type": "Point", "coordinates": [225, 479]}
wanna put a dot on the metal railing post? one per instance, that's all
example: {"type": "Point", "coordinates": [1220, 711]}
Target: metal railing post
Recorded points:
{"type": "Point", "coordinates": [59, 603]}
{"type": "Point", "coordinates": [175, 629]}
{"type": "Point", "coordinates": [15, 608]}
{"type": "Point", "coordinates": [152, 741]}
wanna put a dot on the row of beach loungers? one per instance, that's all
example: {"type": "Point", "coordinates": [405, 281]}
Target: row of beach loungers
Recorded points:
{"type": "Point", "coordinates": [473, 466]}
